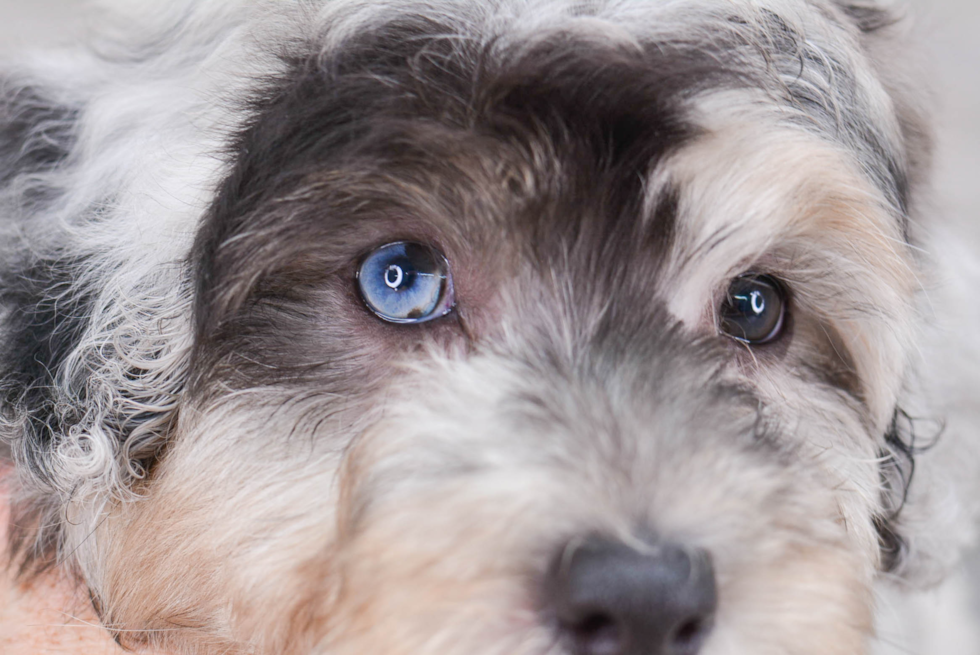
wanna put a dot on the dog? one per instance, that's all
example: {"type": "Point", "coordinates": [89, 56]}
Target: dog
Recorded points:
{"type": "Point", "coordinates": [600, 327]}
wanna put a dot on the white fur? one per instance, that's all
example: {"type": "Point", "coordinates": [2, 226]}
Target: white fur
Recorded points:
{"type": "Point", "coordinates": [150, 154]}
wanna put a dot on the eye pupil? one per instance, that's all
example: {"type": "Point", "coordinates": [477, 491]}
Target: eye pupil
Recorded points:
{"type": "Point", "coordinates": [394, 276]}
{"type": "Point", "coordinates": [755, 309]}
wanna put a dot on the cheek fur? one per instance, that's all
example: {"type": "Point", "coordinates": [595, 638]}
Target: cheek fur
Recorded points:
{"type": "Point", "coordinates": [234, 456]}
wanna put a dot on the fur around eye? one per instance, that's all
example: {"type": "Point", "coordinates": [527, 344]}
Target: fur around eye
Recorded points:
{"type": "Point", "coordinates": [667, 414]}
{"type": "Point", "coordinates": [754, 309]}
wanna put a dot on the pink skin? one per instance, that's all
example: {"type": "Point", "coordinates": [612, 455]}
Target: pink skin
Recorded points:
{"type": "Point", "coordinates": [51, 614]}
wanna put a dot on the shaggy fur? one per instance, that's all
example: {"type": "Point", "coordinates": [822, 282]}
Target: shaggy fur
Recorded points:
{"type": "Point", "coordinates": [234, 455]}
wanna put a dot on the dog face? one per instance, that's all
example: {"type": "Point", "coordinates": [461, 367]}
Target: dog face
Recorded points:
{"type": "Point", "coordinates": [525, 328]}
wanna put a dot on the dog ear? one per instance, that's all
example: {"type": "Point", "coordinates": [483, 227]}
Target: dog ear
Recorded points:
{"type": "Point", "coordinates": [885, 33]}
{"type": "Point", "coordinates": [36, 140]}
{"type": "Point", "coordinates": [882, 32]}
{"type": "Point", "coordinates": [87, 385]}
{"type": "Point", "coordinates": [931, 492]}
{"type": "Point", "coordinates": [104, 174]}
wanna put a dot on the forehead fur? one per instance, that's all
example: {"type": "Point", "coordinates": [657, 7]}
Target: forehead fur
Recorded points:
{"type": "Point", "coordinates": [567, 105]}
{"type": "Point", "coordinates": [559, 134]}
{"type": "Point", "coordinates": [199, 367]}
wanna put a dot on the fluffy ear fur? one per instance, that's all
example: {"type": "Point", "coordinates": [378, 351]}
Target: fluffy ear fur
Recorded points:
{"type": "Point", "coordinates": [934, 441]}
{"type": "Point", "coordinates": [936, 445]}
{"type": "Point", "coordinates": [95, 335]}
{"type": "Point", "coordinates": [108, 160]}
{"type": "Point", "coordinates": [90, 372]}
{"type": "Point", "coordinates": [884, 30]}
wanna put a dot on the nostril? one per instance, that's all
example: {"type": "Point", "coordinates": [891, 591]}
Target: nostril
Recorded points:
{"type": "Point", "coordinates": [597, 634]}
{"type": "Point", "coordinates": [688, 638]}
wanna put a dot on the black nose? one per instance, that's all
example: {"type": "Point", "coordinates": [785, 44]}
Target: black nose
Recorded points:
{"type": "Point", "coordinates": [610, 599]}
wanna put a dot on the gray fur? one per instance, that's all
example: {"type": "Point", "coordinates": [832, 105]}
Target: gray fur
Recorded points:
{"type": "Point", "coordinates": [184, 353]}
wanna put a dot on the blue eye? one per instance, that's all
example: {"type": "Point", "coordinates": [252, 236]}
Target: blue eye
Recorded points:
{"type": "Point", "coordinates": [755, 309]}
{"type": "Point", "coordinates": [406, 283]}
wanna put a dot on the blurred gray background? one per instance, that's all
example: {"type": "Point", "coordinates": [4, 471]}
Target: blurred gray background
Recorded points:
{"type": "Point", "coordinates": [949, 31]}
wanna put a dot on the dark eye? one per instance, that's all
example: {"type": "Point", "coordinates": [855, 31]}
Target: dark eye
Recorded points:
{"type": "Point", "coordinates": [406, 283]}
{"type": "Point", "coordinates": [754, 310]}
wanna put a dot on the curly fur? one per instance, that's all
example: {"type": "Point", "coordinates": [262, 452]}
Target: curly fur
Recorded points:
{"type": "Point", "coordinates": [164, 252]}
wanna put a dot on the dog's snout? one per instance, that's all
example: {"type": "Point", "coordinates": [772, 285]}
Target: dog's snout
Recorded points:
{"type": "Point", "coordinates": [610, 599]}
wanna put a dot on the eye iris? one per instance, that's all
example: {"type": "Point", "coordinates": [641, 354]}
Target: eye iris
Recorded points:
{"type": "Point", "coordinates": [754, 310]}
{"type": "Point", "coordinates": [406, 283]}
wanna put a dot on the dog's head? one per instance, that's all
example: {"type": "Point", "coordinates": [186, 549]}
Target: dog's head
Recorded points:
{"type": "Point", "coordinates": [547, 327]}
